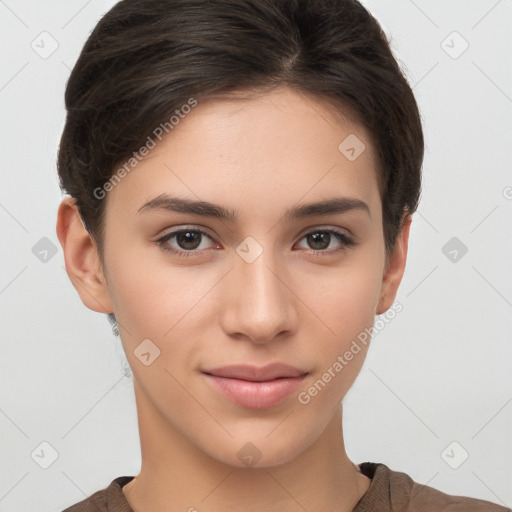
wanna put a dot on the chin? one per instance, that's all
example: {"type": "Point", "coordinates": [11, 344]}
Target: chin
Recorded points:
{"type": "Point", "coordinates": [259, 453]}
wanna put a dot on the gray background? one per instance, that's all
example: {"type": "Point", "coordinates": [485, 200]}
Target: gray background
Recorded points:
{"type": "Point", "coordinates": [438, 374]}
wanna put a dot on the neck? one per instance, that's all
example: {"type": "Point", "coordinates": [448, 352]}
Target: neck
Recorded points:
{"type": "Point", "coordinates": [176, 476]}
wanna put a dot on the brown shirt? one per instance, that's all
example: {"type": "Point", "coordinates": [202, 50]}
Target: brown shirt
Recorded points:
{"type": "Point", "coordinates": [389, 490]}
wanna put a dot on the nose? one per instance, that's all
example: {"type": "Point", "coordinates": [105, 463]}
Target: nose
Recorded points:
{"type": "Point", "coordinates": [259, 305]}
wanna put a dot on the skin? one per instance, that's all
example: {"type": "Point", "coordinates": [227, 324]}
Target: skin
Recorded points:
{"type": "Point", "coordinates": [258, 155]}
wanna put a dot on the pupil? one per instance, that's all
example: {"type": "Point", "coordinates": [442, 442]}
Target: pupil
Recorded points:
{"type": "Point", "coordinates": [186, 238]}
{"type": "Point", "coordinates": [318, 236]}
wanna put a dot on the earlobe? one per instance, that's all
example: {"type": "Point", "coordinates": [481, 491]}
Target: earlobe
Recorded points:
{"type": "Point", "coordinates": [395, 268]}
{"type": "Point", "coordinates": [81, 257]}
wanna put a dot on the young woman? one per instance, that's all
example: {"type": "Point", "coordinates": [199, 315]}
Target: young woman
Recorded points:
{"type": "Point", "coordinates": [242, 177]}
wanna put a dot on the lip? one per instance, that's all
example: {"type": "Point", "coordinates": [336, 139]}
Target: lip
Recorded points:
{"type": "Point", "coordinates": [255, 373]}
{"type": "Point", "coordinates": [253, 387]}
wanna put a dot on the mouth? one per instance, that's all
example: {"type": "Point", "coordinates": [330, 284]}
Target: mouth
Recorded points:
{"type": "Point", "coordinates": [253, 387]}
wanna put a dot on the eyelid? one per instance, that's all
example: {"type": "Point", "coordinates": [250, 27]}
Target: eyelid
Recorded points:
{"type": "Point", "coordinates": [204, 230]}
{"type": "Point", "coordinates": [185, 227]}
{"type": "Point", "coordinates": [327, 227]}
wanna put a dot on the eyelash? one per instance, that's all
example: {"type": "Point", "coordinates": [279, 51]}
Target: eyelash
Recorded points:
{"type": "Point", "coordinates": [346, 241]}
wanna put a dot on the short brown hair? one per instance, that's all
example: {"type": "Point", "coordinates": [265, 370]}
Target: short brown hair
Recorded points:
{"type": "Point", "coordinates": [146, 58]}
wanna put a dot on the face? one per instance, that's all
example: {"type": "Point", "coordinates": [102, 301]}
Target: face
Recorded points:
{"type": "Point", "coordinates": [256, 286]}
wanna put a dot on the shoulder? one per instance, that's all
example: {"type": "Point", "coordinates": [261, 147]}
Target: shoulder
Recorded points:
{"type": "Point", "coordinates": [102, 500]}
{"type": "Point", "coordinates": [396, 491]}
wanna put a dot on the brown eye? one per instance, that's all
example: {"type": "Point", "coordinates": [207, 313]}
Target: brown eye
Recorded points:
{"type": "Point", "coordinates": [319, 241]}
{"type": "Point", "coordinates": [187, 240]}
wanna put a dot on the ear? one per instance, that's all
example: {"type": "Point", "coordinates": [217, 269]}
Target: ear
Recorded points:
{"type": "Point", "coordinates": [395, 268]}
{"type": "Point", "coordinates": [83, 264]}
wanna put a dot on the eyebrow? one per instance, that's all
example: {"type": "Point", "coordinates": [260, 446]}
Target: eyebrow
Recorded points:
{"type": "Point", "coordinates": [204, 208]}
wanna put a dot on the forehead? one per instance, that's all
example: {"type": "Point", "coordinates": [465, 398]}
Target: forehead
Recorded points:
{"type": "Point", "coordinates": [255, 151]}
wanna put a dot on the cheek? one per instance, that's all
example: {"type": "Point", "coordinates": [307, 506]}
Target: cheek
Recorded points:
{"type": "Point", "coordinates": [149, 294]}
{"type": "Point", "coordinates": [345, 306]}
{"type": "Point", "coordinates": [345, 299]}
{"type": "Point", "coordinates": [162, 302]}
{"type": "Point", "coordinates": [155, 303]}
{"type": "Point", "coordinates": [342, 339]}
{"type": "Point", "coordinates": [137, 296]}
